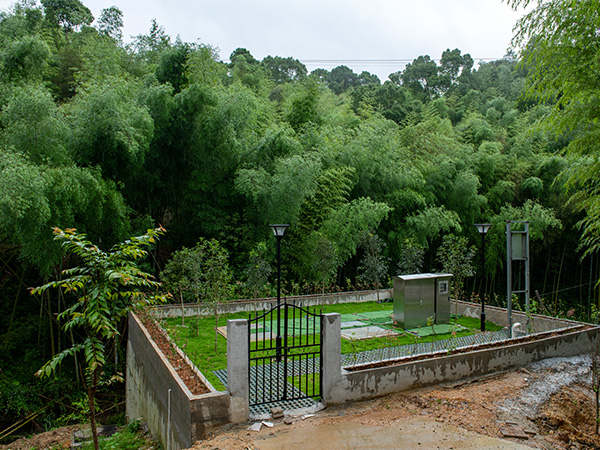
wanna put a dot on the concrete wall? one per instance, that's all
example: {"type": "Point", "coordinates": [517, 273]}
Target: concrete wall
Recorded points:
{"type": "Point", "coordinates": [151, 380]}
{"type": "Point", "coordinates": [157, 396]}
{"type": "Point", "coordinates": [251, 306]}
{"type": "Point", "coordinates": [238, 384]}
{"type": "Point", "coordinates": [499, 316]}
{"type": "Point", "coordinates": [374, 382]}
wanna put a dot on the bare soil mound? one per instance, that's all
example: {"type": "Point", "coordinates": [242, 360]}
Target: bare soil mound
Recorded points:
{"type": "Point", "coordinates": [54, 439]}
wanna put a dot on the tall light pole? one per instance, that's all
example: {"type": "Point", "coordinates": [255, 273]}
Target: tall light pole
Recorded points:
{"type": "Point", "coordinates": [483, 229]}
{"type": "Point", "coordinates": [279, 231]}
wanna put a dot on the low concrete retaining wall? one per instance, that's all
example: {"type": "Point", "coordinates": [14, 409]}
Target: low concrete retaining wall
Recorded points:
{"type": "Point", "coordinates": [499, 316]}
{"type": "Point", "coordinates": [250, 306]}
{"type": "Point", "coordinates": [177, 418]}
{"type": "Point", "coordinates": [361, 384]}
{"type": "Point", "coordinates": [157, 395]}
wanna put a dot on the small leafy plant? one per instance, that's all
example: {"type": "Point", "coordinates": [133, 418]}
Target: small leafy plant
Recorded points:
{"type": "Point", "coordinates": [106, 285]}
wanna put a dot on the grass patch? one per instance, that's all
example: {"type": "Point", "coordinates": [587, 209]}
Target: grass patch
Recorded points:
{"type": "Point", "coordinates": [310, 383]}
{"type": "Point", "coordinates": [129, 438]}
{"type": "Point", "coordinates": [197, 340]}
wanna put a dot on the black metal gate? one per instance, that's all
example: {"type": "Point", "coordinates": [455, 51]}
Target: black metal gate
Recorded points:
{"type": "Point", "coordinates": [284, 354]}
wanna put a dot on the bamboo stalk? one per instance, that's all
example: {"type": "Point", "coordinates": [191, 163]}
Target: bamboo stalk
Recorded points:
{"type": "Point", "coordinates": [11, 429]}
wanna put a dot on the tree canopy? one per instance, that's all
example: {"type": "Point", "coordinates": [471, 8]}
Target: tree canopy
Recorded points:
{"type": "Point", "coordinates": [113, 138]}
{"type": "Point", "coordinates": [559, 44]}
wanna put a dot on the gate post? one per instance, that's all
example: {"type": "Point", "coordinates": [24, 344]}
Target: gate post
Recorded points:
{"type": "Point", "coordinates": [237, 369]}
{"type": "Point", "coordinates": [331, 356]}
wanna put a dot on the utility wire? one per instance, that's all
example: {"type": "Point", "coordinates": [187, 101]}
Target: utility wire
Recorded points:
{"type": "Point", "coordinates": [565, 289]}
{"type": "Point", "coordinates": [381, 62]}
{"type": "Point", "coordinates": [377, 61]}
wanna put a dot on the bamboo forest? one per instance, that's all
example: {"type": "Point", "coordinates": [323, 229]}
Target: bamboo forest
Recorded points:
{"type": "Point", "coordinates": [375, 178]}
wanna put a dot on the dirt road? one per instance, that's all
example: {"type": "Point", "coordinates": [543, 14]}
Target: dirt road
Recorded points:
{"type": "Point", "coordinates": [417, 432]}
{"type": "Point", "coordinates": [547, 405]}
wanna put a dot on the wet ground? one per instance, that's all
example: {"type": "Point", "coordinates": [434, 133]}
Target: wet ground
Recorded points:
{"type": "Point", "coordinates": [546, 405]}
{"type": "Point", "coordinates": [412, 433]}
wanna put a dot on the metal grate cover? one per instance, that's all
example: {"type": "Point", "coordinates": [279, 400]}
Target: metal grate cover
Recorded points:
{"type": "Point", "coordinates": [264, 409]}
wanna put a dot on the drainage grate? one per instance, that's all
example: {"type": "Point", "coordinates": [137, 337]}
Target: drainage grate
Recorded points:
{"type": "Point", "coordinates": [260, 410]}
{"type": "Point", "coordinates": [265, 409]}
{"type": "Point", "coordinates": [373, 356]}
{"type": "Point", "coordinates": [402, 351]}
{"type": "Point", "coordinates": [385, 353]}
{"type": "Point", "coordinates": [221, 374]}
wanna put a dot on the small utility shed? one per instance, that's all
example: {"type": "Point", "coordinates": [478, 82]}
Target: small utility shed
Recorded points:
{"type": "Point", "coordinates": [421, 296]}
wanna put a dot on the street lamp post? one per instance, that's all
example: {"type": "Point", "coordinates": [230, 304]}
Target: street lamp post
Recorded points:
{"type": "Point", "coordinates": [279, 231]}
{"type": "Point", "coordinates": [483, 229]}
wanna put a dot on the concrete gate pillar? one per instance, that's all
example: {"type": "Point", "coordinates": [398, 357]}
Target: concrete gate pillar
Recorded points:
{"type": "Point", "coordinates": [331, 357]}
{"type": "Point", "coordinates": [238, 384]}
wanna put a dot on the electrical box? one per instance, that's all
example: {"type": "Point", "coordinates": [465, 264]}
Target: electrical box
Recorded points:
{"type": "Point", "coordinates": [421, 296]}
{"type": "Point", "coordinates": [519, 245]}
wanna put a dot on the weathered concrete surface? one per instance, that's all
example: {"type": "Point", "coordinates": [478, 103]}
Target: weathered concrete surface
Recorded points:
{"type": "Point", "coordinates": [411, 434]}
{"type": "Point", "coordinates": [373, 382]}
{"type": "Point", "coordinates": [331, 357]}
{"type": "Point", "coordinates": [251, 306]}
{"type": "Point", "coordinates": [157, 395]}
{"type": "Point", "coordinates": [238, 384]}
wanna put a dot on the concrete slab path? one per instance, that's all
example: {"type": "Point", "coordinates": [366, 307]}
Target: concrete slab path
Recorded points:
{"type": "Point", "coordinates": [410, 434]}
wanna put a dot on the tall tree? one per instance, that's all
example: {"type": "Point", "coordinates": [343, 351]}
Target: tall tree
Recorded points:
{"type": "Point", "coordinates": [345, 226]}
{"type": "Point", "coordinates": [68, 14]}
{"type": "Point", "coordinates": [111, 129]}
{"type": "Point", "coordinates": [34, 126]}
{"type": "Point", "coordinates": [150, 45]}
{"type": "Point", "coordinates": [421, 76]}
{"type": "Point", "coordinates": [182, 275]}
{"type": "Point", "coordinates": [411, 257]}
{"type": "Point", "coordinates": [215, 276]}
{"type": "Point", "coordinates": [454, 65]}
{"type": "Point", "coordinates": [373, 266]}
{"type": "Point", "coordinates": [341, 79]}
{"type": "Point", "coordinates": [284, 70]}
{"type": "Point", "coordinates": [172, 66]}
{"type": "Point", "coordinates": [560, 46]}
{"type": "Point", "coordinates": [456, 257]}
{"type": "Point", "coordinates": [26, 59]}
{"type": "Point", "coordinates": [257, 272]}
{"type": "Point", "coordinates": [110, 23]}
{"type": "Point", "coordinates": [303, 107]}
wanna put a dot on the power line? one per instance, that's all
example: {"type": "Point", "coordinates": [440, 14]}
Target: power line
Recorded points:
{"type": "Point", "coordinates": [376, 61]}
{"type": "Point", "coordinates": [565, 289]}
{"type": "Point", "coordinates": [382, 62]}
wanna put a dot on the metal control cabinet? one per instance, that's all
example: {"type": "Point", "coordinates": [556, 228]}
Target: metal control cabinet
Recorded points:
{"type": "Point", "coordinates": [420, 296]}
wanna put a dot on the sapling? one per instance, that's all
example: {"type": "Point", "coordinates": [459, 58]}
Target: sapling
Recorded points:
{"type": "Point", "coordinates": [431, 323]}
{"type": "Point", "coordinates": [106, 286]}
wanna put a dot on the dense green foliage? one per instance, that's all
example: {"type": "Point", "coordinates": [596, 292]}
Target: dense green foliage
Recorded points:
{"type": "Point", "coordinates": [560, 43]}
{"type": "Point", "coordinates": [113, 138]}
{"type": "Point", "coordinates": [106, 286]}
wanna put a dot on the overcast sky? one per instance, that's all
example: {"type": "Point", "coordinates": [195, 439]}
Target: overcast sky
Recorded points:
{"type": "Point", "coordinates": [372, 35]}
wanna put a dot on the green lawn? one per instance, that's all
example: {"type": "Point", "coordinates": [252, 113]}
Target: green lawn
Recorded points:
{"type": "Point", "coordinates": [197, 339]}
